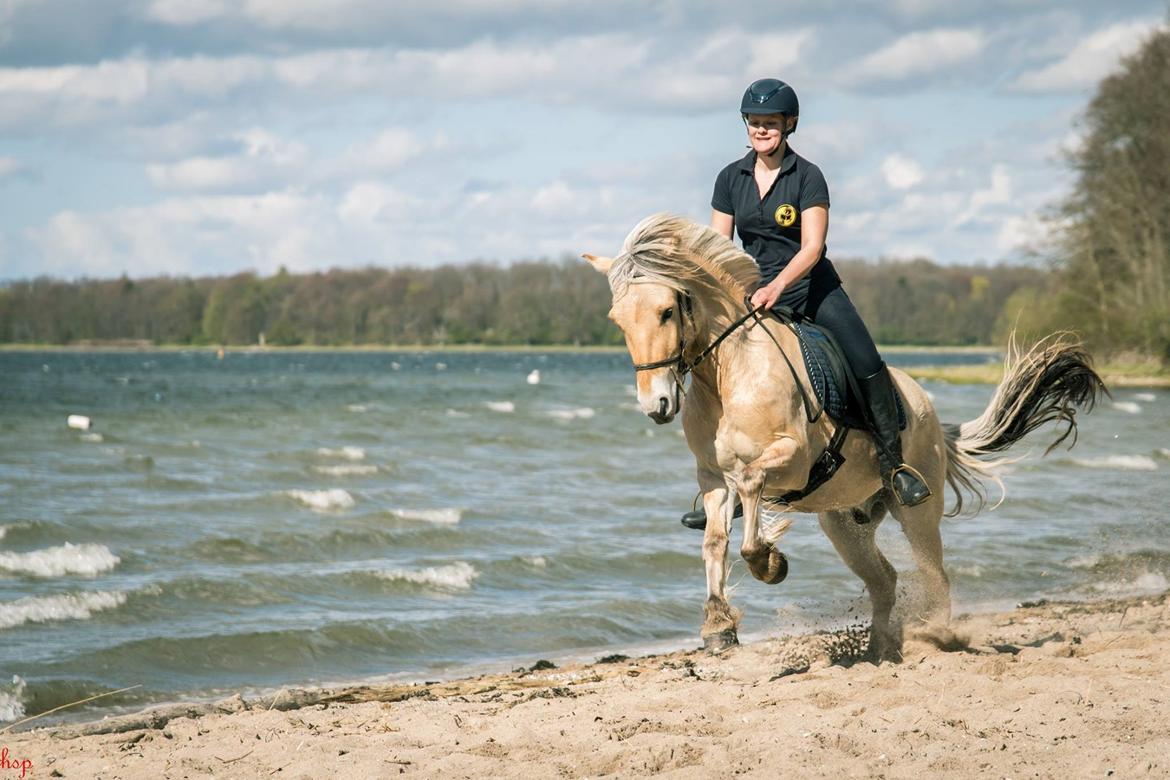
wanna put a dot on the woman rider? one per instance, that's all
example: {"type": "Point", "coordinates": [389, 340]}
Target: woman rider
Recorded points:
{"type": "Point", "coordinates": [778, 203]}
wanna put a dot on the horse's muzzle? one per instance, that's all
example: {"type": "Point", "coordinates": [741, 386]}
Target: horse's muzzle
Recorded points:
{"type": "Point", "coordinates": [664, 413]}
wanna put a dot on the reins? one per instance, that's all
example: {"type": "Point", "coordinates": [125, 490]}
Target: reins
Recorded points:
{"type": "Point", "coordinates": [682, 365]}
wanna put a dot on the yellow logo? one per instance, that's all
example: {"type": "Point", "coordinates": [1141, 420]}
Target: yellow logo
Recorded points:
{"type": "Point", "coordinates": [785, 215]}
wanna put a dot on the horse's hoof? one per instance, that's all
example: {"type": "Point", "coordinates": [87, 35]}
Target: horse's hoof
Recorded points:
{"type": "Point", "coordinates": [714, 643]}
{"type": "Point", "coordinates": [777, 568]}
{"type": "Point", "coordinates": [771, 571]}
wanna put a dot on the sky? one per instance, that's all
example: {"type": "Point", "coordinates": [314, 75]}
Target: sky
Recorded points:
{"type": "Point", "coordinates": [208, 137]}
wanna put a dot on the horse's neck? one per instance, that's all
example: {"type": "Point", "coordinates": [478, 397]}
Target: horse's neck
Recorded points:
{"type": "Point", "coordinates": [750, 352]}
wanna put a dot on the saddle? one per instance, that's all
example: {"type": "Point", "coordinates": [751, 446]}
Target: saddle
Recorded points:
{"type": "Point", "coordinates": [832, 378]}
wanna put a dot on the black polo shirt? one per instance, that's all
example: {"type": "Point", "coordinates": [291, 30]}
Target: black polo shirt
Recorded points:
{"type": "Point", "coordinates": [770, 229]}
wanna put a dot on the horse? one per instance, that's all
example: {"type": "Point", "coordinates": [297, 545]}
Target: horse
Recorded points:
{"type": "Point", "coordinates": [678, 295]}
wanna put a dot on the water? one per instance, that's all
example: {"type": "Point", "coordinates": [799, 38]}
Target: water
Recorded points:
{"type": "Point", "coordinates": [309, 518]}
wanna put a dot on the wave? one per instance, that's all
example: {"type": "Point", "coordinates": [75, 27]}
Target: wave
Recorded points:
{"type": "Point", "coordinates": [449, 516]}
{"type": "Point", "coordinates": [92, 437]}
{"type": "Point", "coordinates": [1146, 397]}
{"type": "Point", "coordinates": [3, 531]}
{"type": "Point", "coordinates": [88, 559]}
{"type": "Point", "coordinates": [346, 470]}
{"type": "Point", "coordinates": [1127, 406]}
{"type": "Point", "coordinates": [64, 606]}
{"type": "Point", "coordinates": [1163, 452]}
{"type": "Point", "coordinates": [1122, 462]}
{"type": "Point", "coordinates": [323, 500]}
{"type": "Point", "coordinates": [583, 413]}
{"type": "Point", "coordinates": [12, 701]}
{"type": "Point", "coordinates": [457, 413]}
{"type": "Point", "coordinates": [454, 576]}
{"type": "Point", "coordinates": [357, 408]}
{"type": "Point", "coordinates": [347, 453]}
{"type": "Point", "coordinates": [500, 406]}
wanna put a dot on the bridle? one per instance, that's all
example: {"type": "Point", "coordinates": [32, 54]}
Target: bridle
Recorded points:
{"type": "Point", "coordinates": [682, 366]}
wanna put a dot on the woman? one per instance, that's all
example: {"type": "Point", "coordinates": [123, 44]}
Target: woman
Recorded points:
{"type": "Point", "coordinates": [778, 203]}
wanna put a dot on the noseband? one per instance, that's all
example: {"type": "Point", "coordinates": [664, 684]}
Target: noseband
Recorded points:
{"type": "Point", "coordinates": [681, 365]}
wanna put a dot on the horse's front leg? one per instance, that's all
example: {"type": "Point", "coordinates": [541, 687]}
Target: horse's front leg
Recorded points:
{"type": "Point", "coordinates": [719, 624]}
{"type": "Point", "coordinates": [766, 563]}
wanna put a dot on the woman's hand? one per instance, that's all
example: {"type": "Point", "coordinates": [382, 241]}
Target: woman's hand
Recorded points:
{"type": "Point", "coordinates": [767, 295]}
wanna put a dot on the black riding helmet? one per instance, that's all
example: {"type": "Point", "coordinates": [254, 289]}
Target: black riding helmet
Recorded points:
{"type": "Point", "coordinates": [770, 96]}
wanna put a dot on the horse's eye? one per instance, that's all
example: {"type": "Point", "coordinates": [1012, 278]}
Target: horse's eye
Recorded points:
{"type": "Point", "coordinates": [666, 315]}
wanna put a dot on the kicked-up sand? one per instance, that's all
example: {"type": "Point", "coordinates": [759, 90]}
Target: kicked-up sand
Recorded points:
{"type": "Point", "coordinates": [1069, 690]}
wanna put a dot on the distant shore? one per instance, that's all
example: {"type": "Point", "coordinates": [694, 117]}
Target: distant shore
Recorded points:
{"type": "Point", "coordinates": [1061, 689]}
{"type": "Point", "coordinates": [1117, 374]}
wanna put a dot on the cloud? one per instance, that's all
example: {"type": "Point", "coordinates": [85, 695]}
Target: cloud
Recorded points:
{"type": "Point", "coordinates": [10, 167]}
{"type": "Point", "coordinates": [1090, 60]}
{"type": "Point", "coordinates": [263, 159]}
{"type": "Point", "coordinates": [917, 54]}
{"type": "Point", "coordinates": [998, 192]}
{"type": "Point", "coordinates": [901, 173]}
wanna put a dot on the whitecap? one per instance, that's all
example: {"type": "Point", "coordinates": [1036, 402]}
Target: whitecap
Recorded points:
{"type": "Point", "coordinates": [1145, 582]}
{"type": "Point", "coordinates": [457, 413]}
{"type": "Point", "coordinates": [395, 365]}
{"type": "Point", "coordinates": [1123, 462]}
{"type": "Point", "coordinates": [3, 531]}
{"type": "Point", "coordinates": [357, 408]}
{"type": "Point", "coordinates": [64, 606]}
{"type": "Point", "coordinates": [1083, 561]}
{"type": "Point", "coordinates": [974, 570]}
{"type": "Point", "coordinates": [323, 500]}
{"type": "Point", "coordinates": [93, 437]}
{"type": "Point", "coordinates": [1162, 452]}
{"type": "Point", "coordinates": [347, 470]}
{"type": "Point", "coordinates": [538, 561]}
{"type": "Point", "coordinates": [440, 366]}
{"type": "Point", "coordinates": [1127, 406]}
{"type": "Point", "coordinates": [348, 453]}
{"type": "Point", "coordinates": [454, 576]}
{"type": "Point", "coordinates": [89, 559]}
{"type": "Point", "coordinates": [12, 701]}
{"type": "Point", "coordinates": [583, 413]}
{"type": "Point", "coordinates": [500, 406]}
{"type": "Point", "coordinates": [448, 516]}
{"type": "Point", "coordinates": [1147, 397]}
{"type": "Point", "coordinates": [533, 377]}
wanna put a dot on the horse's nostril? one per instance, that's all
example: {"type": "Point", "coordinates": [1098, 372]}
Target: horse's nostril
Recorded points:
{"type": "Point", "coordinates": [662, 402]}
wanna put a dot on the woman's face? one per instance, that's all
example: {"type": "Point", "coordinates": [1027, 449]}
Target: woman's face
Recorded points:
{"type": "Point", "coordinates": [764, 131]}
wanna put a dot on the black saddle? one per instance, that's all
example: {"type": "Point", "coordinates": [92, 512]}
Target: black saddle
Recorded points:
{"type": "Point", "coordinates": [827, 367]}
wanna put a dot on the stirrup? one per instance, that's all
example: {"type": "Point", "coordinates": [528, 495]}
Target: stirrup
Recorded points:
{"type": "Point", "coordinates": [908, 486]}
{"type": "Point", "coordinates": [697, 518]}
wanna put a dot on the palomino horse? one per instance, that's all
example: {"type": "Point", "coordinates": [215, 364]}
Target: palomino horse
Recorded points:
{"type": "Point", "coordinates": [678, 288]}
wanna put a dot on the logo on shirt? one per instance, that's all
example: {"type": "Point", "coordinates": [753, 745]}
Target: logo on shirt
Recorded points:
{"type": "Point", "coordinates": [786, 215]}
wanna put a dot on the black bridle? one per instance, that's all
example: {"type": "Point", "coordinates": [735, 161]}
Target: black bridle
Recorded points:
{"type": "Point", "coordinates": [681, 365]}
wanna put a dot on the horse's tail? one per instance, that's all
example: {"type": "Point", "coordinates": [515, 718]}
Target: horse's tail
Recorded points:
{"type": "Point", "coordinates": [1045, 384]}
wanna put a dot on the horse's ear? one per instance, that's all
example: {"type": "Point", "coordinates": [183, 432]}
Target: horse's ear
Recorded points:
{"type": "Point", "coordinates": [600, 263]}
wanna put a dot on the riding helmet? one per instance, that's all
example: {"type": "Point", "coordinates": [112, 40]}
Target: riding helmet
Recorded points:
{"type": "Point", "coordinates": [770, 96]}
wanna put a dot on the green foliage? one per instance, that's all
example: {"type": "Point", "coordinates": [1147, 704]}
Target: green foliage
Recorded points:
{"type": "Point", "coordinates": [533, 303]}
{"type": "Point", "coordinates": [1112, 244]}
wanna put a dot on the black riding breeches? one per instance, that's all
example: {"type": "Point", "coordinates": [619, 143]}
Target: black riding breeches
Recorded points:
{"type": "Point", "coordinates": [832, 310]}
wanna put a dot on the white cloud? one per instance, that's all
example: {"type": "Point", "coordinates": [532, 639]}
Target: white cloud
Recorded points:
{"type": "Point", "coordinates": [263, 160]}
{"type": "Point", "coordinates": [901, 173]}
{"type": "Point", "coordinates": [916, 54]}
{"type": "Point", "coordinates": [186, 12]}
{"type": "Point", "coordinates": [1090, 60]}
{"type": "Point", "coordinates": [370, 202]}
{"type": "Point", "coordinates": [998, 192]}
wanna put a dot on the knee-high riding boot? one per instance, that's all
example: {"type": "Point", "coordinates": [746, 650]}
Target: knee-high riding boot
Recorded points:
{"type": "Point", "coordinates": [906, 483]}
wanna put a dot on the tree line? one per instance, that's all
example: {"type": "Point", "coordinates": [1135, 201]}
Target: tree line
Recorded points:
{"type": "Point", "coordinates": [534, 303]}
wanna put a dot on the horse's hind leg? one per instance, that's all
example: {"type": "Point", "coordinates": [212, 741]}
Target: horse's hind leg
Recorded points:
{"type": "Point", "coordinates": [921, 526]}
{"type": "Point", "coordinates": [720, 619]}
{"type": "Point", "coordinates": [852, 534]}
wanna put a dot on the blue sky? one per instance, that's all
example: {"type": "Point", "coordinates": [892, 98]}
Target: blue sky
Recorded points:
{"type": "Point", "coordinates": [197, 137]}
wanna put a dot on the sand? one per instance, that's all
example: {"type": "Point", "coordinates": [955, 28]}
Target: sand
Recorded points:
{"type": "Point", "coordinates": [1052, 690]}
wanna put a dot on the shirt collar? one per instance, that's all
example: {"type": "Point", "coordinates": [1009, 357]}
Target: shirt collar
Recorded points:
{"type": "Point", "coordinates": [748, 163]}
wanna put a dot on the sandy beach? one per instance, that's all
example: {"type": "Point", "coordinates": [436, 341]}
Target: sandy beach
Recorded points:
{"type": "Point", "coordinates": [1050, 690]}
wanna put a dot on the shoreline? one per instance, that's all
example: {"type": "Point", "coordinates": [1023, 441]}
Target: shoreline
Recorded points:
{"type": "Point", "coordinates": [1073, 688]}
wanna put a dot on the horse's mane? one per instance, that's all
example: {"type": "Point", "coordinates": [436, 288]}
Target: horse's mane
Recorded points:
{"type": "Point", "coordinates": [685, 256]}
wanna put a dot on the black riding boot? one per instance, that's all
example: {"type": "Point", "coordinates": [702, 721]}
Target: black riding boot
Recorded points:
{"type": "Point", "coordinates": [697, 518]}
{"type": "Point", "coordinates": [906, 483]}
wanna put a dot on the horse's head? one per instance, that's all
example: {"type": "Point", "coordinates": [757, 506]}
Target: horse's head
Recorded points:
{"type": "Point", "coordinates": [652, 317]}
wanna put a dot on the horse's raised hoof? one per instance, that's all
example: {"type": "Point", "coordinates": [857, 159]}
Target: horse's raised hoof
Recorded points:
{"type": "Point", "coordinates": [718, 642]}
{"type": "Point", "coordinates": [770, 570]}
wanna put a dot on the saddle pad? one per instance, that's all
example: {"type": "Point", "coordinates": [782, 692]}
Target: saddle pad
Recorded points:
{"type": "Point", "coordinates": [829, 383]}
